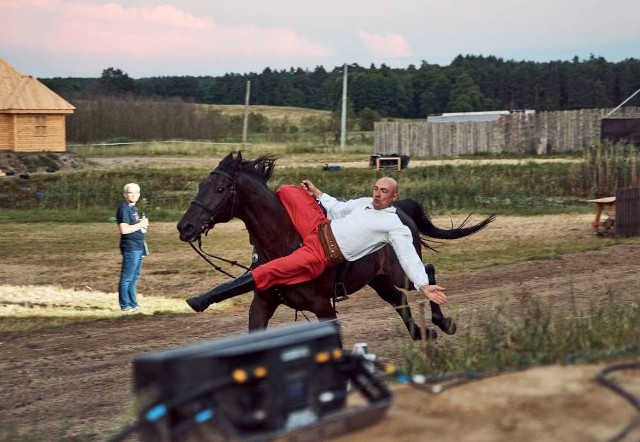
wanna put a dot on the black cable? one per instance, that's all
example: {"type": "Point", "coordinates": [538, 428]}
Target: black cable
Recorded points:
{"type": "Point", "coordinates": [602, 378]}
{"type": "Point", "coordinates": [159, 411]}
{"type": "Point", "coordinates": [434, 384]}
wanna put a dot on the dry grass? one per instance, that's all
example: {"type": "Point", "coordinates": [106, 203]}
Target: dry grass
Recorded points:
{"type": "Point", "coordinates": [55, 301]}
{"type": "Point", "coordinates": [517, 238]}
{"type": "Point", "coordinates": [293, 114]}
{"type": "Point", "coordinates": [25, 309]}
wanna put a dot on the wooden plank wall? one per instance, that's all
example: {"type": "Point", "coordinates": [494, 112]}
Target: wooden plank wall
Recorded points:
{"type": "Point", "coordinates": [628, 211]}
{"type": "Point", "coordinates": [517, 133]}
{"type": "Point", "coordinates": [6, 132]}
{"type": "Point", "coordinates": [54, 139]}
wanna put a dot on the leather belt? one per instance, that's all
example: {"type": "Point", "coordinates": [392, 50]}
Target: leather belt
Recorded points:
{"type": "Point", "coordinates": [329, 244]}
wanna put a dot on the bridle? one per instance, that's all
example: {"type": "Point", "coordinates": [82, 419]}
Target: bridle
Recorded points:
{"type": "Point", "coordinates": [212, 213]}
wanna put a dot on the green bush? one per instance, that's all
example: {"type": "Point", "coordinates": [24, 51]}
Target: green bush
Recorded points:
{"type": "Point", "coordinates": [523, 189]}
{"type": "Point", "coordinates": [536, 335]}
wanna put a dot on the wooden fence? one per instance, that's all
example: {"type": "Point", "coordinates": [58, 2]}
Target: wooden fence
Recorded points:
{"type": "Point", "coordinates": [628, 211]}
{"type": "Point", "coordinates": [518, 133]}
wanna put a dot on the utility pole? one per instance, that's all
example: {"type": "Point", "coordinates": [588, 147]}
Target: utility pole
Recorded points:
{"type": "Point", "coordinates": [343, 127]}
{"type": "Point", "coordinates": [245, 121]}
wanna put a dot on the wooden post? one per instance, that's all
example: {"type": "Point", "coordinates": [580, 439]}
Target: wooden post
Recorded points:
{"type": "Point", "coordinates": [343, 118]}
{"type": "Point", "coordinates": [245, 121]}
{"type": "Point", "coordinates": [423, 323]}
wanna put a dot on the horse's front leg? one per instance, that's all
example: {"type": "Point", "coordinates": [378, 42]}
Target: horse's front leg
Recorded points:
{"type": "Point", "coordinates": [323, 310]}
{"type": "Point", "coordinates": [446, 324]}
{"type": "Point", "coordinates": [262, 308]}
{"type": "Point", "coordinates": [390, 293]}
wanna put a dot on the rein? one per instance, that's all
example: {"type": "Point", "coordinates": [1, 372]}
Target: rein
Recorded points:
{"type": "Point", "coordinates": [212, 213]}
{"type": "Point", "coordinates": [204, 255]}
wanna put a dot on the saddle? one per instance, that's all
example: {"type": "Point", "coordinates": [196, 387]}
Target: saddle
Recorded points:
{"type": "Point", "coordinates": [339, 290]}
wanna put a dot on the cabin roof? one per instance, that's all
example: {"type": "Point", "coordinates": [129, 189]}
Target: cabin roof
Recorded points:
{"type": "Point", "coordinates": [25, 94]}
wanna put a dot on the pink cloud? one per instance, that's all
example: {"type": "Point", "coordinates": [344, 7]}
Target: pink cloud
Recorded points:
{"type": "Point", "coordinates": [256, 41]}
{"type": "Point", "coordinates": [150, 33]}
{"type": "Point", "coordinates": [387, 45]}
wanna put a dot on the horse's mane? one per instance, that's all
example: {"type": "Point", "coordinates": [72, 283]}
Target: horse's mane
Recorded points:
{"type": "Point", "coordinates": [261, 168]}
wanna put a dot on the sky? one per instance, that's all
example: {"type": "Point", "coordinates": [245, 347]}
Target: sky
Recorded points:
{"type": "Point", "coordinates": [147, 38]}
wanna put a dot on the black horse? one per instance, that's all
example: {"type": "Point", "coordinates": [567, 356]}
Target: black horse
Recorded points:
{"type": "Point", "coordinates": [238, 188]}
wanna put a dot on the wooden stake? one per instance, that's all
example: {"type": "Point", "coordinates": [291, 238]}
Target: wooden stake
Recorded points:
{"type": "Point", "coordinates": [423, 323]}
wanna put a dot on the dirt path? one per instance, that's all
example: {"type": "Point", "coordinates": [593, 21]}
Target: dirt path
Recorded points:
{"type": "Point", "coordinates": [75, 382]}
{"type": "Point", "coordinates": [170, 162]}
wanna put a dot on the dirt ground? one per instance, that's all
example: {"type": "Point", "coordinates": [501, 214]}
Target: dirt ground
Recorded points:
{"type": "Point", "coordinates": [164, 162]}
{"type": "Point", "coordinates": [75, 383]}
{"type": "Point", "coordinates": [43, 162]}
{"type": "Point", "coordinates": [40, 162]}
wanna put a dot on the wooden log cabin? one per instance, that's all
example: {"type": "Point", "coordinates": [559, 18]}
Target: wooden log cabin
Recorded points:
{"type": "Point", "coordinates": [32, 116]}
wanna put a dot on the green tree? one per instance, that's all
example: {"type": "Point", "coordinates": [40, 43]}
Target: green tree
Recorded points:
{"type": "Point", "coordinates": [366, 119]}
{"type": "Point", "coordinates": [381, 91]}
{"type": "Point", "coordinates": [465, 95]}
{"type": "Point", "coordinates": [114, 82]}
{"type": "Point", "coordinates": [429, 88]}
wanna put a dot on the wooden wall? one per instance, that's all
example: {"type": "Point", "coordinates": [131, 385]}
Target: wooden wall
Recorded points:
{"type": "Point", "coordinates": [628, 211]}
{"type": "Point", "coordinates": [18, 133]}
{"type": "Point", "coordinates": [517, 133]}
{"type": "Point", "coordinates": [6, 132]}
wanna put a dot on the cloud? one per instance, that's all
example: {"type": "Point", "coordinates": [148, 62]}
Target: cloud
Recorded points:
{"type": "Point", "coordinates": [111, 31]}
{"type": "Point", "coordinates": [387, 45]}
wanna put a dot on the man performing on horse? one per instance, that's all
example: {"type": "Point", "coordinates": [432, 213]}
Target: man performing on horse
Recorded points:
{"type": "Point", "coordinates": [349, 231]}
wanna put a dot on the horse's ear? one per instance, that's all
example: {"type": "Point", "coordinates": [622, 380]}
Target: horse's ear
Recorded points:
{"type": "Point", "coordinates": [239, 157]}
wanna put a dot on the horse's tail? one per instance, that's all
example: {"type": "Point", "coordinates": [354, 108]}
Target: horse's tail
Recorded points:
{"type": "Point", "coordinates": [419, 216]}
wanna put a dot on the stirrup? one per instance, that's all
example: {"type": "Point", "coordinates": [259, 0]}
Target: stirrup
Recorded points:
{"type": "Point", "coordinates": [340, 292]}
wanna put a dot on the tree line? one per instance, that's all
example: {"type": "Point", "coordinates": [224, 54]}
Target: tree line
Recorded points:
{"type": "Point", "coordinates": [470, 83]}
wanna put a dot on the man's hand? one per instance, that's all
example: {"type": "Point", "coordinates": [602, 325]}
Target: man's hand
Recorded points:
{"type": "Point", "coordinates": [311, 188]}
{"type": "Point", "coordinates": [434, 293]}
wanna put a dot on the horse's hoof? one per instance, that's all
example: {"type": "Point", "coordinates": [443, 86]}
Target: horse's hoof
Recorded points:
{"type": "Point", "coordinates": [448, 326]}
{"type": "Point", "coordinates": [431, 334]}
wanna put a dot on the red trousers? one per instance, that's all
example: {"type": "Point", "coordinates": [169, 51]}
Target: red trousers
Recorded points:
{"type": "Point", "coordinates": [307, 262]}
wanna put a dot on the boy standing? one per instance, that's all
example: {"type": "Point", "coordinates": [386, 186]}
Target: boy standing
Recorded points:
{"type": "Point", "coordinates": [132, 228]}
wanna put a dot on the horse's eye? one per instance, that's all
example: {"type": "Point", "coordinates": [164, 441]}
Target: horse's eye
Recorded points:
{"type": "Point", "coordinates": [220, 189]}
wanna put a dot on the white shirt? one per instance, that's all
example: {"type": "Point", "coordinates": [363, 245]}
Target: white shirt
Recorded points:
{"type": "Point", "coordinates": [360, 229]}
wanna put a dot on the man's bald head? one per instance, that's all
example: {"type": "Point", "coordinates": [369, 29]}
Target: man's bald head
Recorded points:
{"type": "Point", "coordinates": [385, 192]}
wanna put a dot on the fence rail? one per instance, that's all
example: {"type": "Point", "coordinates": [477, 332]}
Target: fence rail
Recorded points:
{"type": "Point", "coordinates": [519, 133]}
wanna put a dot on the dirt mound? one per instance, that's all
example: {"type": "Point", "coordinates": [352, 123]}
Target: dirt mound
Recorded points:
{"type": "Point", "coordinates": [16, 163]}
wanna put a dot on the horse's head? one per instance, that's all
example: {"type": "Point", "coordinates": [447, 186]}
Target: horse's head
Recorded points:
{"type": "Point", "coordinates": [216, 201]}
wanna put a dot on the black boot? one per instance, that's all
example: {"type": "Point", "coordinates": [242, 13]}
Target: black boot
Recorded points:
{"type": "Point", "coordinates": [238, 286]}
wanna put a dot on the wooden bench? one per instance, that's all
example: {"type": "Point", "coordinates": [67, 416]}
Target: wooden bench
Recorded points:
{"type": "Point", "coordinates": [389, 163]}
{"type": "Point", "coordinates": [606, 225]}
